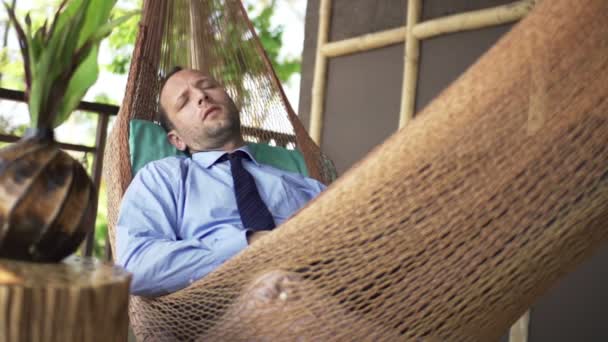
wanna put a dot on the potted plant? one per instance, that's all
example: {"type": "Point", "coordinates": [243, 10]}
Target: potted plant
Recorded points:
{"type": "Point", "coordinates": [46, 197]}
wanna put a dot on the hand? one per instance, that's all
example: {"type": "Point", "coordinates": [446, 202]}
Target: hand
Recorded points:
{"type": "Point", "coordinates": [255, 235]}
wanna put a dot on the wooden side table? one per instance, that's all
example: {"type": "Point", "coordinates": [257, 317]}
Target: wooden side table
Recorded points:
{"type": "Point", "coordinates": [79, 299]}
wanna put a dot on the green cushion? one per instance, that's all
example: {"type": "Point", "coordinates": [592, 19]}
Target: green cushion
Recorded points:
{"type": "Point", "coordinates": [148, 142]}
{"type": "Point", "coordinates": [279, 157]}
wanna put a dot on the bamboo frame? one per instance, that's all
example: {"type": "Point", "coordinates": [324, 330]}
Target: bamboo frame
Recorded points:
{"type": "Point", "coordinates": [424, 30]}
{"type": "Point", "coordinates": [428, 29]}
{"type": "Point", "coordinates": [474, 19]}
{"type": "Point", "coordinates": [318, 84]}
{"type": "Point", "coordinates": [519, 330]}
{"type": "Point", "coordinates": [412, 33]}
{"type": "Point", "coordinates": [364, 43]}
{"type": "Point", "coordinates": [410, 68]}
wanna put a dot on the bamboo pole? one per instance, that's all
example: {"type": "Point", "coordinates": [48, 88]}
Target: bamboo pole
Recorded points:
{"type": "Point", "coordinates": [318, 87]}
{"type": "Point", "coordinates": [410, 69]}
{"type": "Point", "coordinates": [364, 43]}
{"type": "Point", "coordinates": [519, 330]}
{"type": "Point", "coordinates": [474, 19]}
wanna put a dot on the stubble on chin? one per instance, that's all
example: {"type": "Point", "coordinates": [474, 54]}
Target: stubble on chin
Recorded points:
{"type": "Point", "coordinates": [220, 128]}
{"type": "Point", "coordinates": [217, 134]}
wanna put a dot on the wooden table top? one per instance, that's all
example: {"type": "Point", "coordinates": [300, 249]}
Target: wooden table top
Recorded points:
{"type": "Point", "coordinates": [73, 271]}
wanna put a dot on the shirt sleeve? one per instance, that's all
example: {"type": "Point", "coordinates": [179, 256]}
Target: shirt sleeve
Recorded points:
{"type": "Point", "coordinates": [148, 246]}
{"type": "Point", "coordinates": [309, 188]}
{"type": "Point", "coordinates": [315, 186]}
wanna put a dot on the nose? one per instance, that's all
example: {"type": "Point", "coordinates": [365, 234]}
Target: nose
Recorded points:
{"type": "Point", "coordinates": [202, 97]}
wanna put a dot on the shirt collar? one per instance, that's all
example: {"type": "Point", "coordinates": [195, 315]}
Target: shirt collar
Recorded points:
{"type": "Point", "coordinates": [208, 158]}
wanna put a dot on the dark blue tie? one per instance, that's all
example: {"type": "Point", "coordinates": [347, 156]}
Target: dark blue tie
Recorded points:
{"type": "Point", "coordinates": [254, 213]}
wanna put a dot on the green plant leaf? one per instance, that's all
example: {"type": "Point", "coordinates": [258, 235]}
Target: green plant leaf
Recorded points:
{"type": "Point", "coordinates": [96, 15]}
{"type": "Point", "coordinates": [55, 19]}
{"type": "Point", "coordinates": [48, 68]}
{"type": "Point", "coordinates": [22, 43]}
{"type": "Point", "coordinates": [87, 72]}
{"type": "Point", "coordinates": [56, 66]}
{"type": "Point", "coordinates": [62, 61]}
{"type": "Point", "coordinates": [107, 28]}
{"type": "Point", "coordinates": [84, 77]}
{"type": "Point", "coordinates": [36, 44]}
{"type": "Point", "coordinates": [64, 16]}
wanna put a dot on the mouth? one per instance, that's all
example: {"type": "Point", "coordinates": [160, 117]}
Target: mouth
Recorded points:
{"type": "Point", "coordinates": [210, 111]}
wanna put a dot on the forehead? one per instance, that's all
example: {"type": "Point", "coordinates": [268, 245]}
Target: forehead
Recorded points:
{"type": "Point", "coordinates": [183, 77]}
{"type": "Point", "coordinates": [178, 82]}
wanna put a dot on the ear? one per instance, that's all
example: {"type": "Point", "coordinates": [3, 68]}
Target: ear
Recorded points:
{"type": "Point", "coordinates": [176, 140]}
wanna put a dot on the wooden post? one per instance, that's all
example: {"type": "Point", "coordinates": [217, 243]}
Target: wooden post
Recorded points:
{"type": "Point", "coordinates": [100, 145]}
{"type": "Point", "coordinates": [75, 300]}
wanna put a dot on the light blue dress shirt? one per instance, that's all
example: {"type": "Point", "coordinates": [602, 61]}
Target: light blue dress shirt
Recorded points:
{"type": "Point", "coordinates": [179, 220]}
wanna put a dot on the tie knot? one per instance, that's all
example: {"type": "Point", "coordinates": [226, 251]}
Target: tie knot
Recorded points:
{"type": "Point", "coordinates": [236, 155]}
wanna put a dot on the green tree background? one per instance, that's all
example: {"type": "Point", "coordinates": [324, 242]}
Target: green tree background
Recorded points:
{"type": "Point", "coordinates": [121, 42]}
{"type": "Point", "coordinates": [123, 37]}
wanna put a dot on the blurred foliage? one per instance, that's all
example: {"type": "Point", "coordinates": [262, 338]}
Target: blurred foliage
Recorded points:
{"type": "Point", "coordinates": [6, 127]}
{"type": "Point", "coordinates": [106, 99]}
{"type": "Point", "coordinates": [11, 69]}
{"type": "Point", "coordinates": [272, 41]}
{"type": "Point", "coordinates": [122, 40]}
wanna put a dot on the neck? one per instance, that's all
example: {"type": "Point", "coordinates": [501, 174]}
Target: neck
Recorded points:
{"type": "Point", "coordinates": [227, 146]}
{"type": "Point", "coordinates": [233, 145]}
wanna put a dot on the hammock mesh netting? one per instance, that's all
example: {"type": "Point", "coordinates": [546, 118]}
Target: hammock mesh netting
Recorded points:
{"type": "Point", "coordinates": [449, 230]}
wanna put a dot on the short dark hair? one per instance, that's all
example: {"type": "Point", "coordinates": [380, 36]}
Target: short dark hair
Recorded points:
{"type": "Point", "coordinates": [163, 117]}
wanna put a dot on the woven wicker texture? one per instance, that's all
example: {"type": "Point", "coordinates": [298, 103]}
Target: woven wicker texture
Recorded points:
{"type": "Point", "coordinates": [449, 230]}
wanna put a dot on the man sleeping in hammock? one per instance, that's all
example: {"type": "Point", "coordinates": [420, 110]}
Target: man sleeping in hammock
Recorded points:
{"type": "Point", "coordinates": [182, 217]}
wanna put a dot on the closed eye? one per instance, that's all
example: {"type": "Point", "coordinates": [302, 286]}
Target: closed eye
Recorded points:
{"type": "Point", "coordinates": [181, 101]}
{"type": "Point", "coordinates": [204, 83]}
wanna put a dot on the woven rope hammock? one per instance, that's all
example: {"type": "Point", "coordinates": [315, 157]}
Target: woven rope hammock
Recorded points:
{"type": "Point", "coordinates": [447, 231]}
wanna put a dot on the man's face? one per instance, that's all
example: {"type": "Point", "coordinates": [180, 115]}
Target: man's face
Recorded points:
{"type": "Point", "coordinates": [202, 113]}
